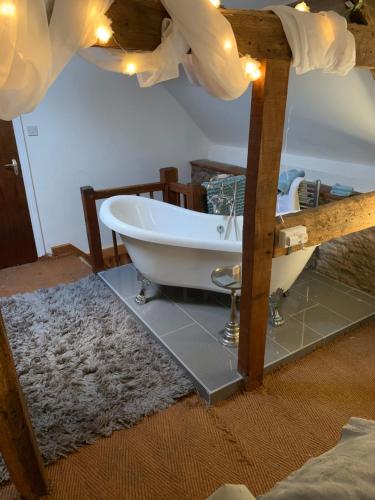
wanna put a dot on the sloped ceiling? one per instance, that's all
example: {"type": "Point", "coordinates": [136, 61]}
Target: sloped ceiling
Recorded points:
{"type": "Point", "coordinates": [329, 116]}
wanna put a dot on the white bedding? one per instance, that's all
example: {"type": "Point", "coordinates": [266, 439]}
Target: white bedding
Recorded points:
{"type": "Point", "coordinates": [347, 472]}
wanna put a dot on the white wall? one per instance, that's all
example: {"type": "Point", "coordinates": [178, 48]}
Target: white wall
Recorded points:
{"type": "Point", "coordinates": [98, 128]}
{"type": "Point", "coordinates": [360, 176]}
{"type": "Point", "coordinates": [331, 124]}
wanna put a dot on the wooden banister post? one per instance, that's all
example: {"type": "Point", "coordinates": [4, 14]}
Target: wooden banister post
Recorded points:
{"type": "Point", "coordinates": [195, 197]}
{"type": "Point", "coordinates": [167, 175]}
{"type": "Point", "coordinates": [92, 228]}
{"type": "Point", "coordinates": [18, 445]}
{"type": "Point", "coordinates": [268, 105]}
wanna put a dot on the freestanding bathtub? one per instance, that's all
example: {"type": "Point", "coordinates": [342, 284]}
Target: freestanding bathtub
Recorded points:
{"type": "Point", "coordinates": [170, 245]}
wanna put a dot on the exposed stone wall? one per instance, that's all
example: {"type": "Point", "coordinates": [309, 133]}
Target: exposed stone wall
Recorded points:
{"type": "Point", "coordinates": [199, 175]}
{"type": "Point", "coordinates": [350, 259]}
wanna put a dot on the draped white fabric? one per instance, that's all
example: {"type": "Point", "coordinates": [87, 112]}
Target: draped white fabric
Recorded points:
{"type": "Point", "coordinates": [318, 41]}
{"type": "Point", "coordinates": [214, 62]}
{"type": "Point", "coordinates": [33, 52]}
{"type": "Point", "coordinates": [152, 67]}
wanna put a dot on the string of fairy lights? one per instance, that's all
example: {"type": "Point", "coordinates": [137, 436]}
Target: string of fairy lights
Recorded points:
{"type": "Point", "coordinates": [104, 33]}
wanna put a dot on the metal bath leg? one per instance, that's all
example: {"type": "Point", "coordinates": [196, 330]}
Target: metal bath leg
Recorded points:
{"type": "Point", "coordinates": [145, 283]}
{"type": "Point", "coordinates": [275, 316]}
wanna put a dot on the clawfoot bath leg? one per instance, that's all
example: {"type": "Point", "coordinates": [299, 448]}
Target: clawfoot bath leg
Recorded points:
{"type": "Point", "coordinates": [275, 316]}
{"type": "Point", "coordinates": [141, 297]}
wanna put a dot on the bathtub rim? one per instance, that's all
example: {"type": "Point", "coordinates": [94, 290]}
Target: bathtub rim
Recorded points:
{"type": "Point", "coordinates": [131, 231]}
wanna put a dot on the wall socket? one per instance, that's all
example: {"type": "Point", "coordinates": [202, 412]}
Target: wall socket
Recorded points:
{"type": "Point", "coordinates": [293, 236]}
{"type": "Point", "coordinates": [32, 130]}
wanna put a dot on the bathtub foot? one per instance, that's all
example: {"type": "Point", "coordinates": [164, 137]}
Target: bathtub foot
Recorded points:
{"type": "Point", "coordinates": [141, 299]}
{"type": "Point", "coordinates": [275, 316]}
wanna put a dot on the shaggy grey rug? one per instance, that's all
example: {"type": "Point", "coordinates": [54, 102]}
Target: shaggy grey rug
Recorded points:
{"type": "Point", "coordinates": [86, 366]}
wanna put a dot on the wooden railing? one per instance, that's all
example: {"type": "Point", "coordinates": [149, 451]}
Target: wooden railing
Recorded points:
{"type": "Point", "coordinates": [184, 195]}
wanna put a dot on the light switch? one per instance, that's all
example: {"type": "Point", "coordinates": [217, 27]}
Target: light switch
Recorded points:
{"type": "Point", "coordinates": [32, 130]}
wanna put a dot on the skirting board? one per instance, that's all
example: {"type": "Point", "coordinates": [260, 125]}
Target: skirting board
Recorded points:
{"type": "Point", "coordinates": [108, 254]}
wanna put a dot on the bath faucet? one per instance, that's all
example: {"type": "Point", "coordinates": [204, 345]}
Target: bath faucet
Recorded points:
{"type": "Point", "coordinates": [225, 204]}
{"type": "Point", "coordinates": [221, 202]}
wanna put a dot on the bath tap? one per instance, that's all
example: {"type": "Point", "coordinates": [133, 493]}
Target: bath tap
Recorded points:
{"type": "Point", "coordinates": [222, 203]}
{"type": "Point", "coordinates": [233, 216]}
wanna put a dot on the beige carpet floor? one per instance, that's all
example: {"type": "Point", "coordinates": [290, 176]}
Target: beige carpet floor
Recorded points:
{"type": "Point", "coordinates": [257, 438]}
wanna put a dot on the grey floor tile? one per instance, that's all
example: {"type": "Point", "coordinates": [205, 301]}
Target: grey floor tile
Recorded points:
{"type": "Point", "coordinates": [306, 275]}
{"type": "Point", "coordinates": [210, 314]}
{"type": "Point", "coordinates": [274, 352]}
{"type": "Point", "coordinates": [160, 314]}
{"type": "Point", "coordinates": [295, 302]}
{"type": "Point", "coordinates": [331, 282]}
{"type": "Point", "coordinates": [322, 320]}
{"type": "Point", "coordinates": [293, 335]}
{"type": "Point", "coordinates": [341, 303]}
{"type": "Point", "coordinates": [370, 299]}
{"type": "Point", "coordinates": [316, 306]}
{"type": "Point", "coordinates": [124, 281]}
{"type": "Point", "coordinates": [210, 362]}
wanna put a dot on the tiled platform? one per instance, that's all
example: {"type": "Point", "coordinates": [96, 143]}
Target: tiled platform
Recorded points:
{"type": "Point", "coordinates": [187, 323]}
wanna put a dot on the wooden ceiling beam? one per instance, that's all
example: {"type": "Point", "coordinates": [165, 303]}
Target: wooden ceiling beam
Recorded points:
{"type": "Point", "coordinates": [137, 26]}
{"type": "Point", "coordinates": [330, 221]}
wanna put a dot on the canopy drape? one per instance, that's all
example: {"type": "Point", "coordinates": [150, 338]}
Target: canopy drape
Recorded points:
{"type": "Point", "coordinates": [34, 50]}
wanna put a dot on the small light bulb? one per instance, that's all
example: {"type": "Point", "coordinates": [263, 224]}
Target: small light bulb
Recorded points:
{"type": "Point", "coordinates": [103, 34]}
{"type": "Point", "coordinates": [130, 69]}
{"type": "Point", "coordinates": [252, 70]}
{"type": "Point", "coordinates": [303, 7]}
{"type": "Point", "coordinates": [215, 3]}
{"type": "Point", "coordinates": [7, 8]}
{"type": "Point", "coordinates": [228, 45]}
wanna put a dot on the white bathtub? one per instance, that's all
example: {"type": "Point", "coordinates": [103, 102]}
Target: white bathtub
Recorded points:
{"type": "Point", "coordinates": [174, 246]}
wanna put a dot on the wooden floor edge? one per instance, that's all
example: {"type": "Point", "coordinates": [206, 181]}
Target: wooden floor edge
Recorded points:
{"type": "Point", "coordinates": [67, 249]}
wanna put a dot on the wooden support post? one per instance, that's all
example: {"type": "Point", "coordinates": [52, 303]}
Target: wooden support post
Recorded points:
{"type": "Point", "coordinates": [167, 175]}
{"type": "Point", "coordinates": [92, 228]}
{"type": "Point", "coordinates": [269, 96]}
{"type": "Point", "coordinates": [195, 197]}
{"type": "Point", "coordinates": [17, 441]}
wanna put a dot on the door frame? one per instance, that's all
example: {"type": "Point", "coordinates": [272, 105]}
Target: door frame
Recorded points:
{"type": "Point", "coordinates": [29, 186]}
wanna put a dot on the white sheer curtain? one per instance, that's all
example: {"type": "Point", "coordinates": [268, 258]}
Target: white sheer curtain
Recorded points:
{"type": "Point", "coordinates": [33, 53]}
{"type": "Point", "coordinates": [318, 41]}
{"type": "Point", "coordinates": [214, 62]}
{"type": "Point", "coordinates": [200, 37]}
